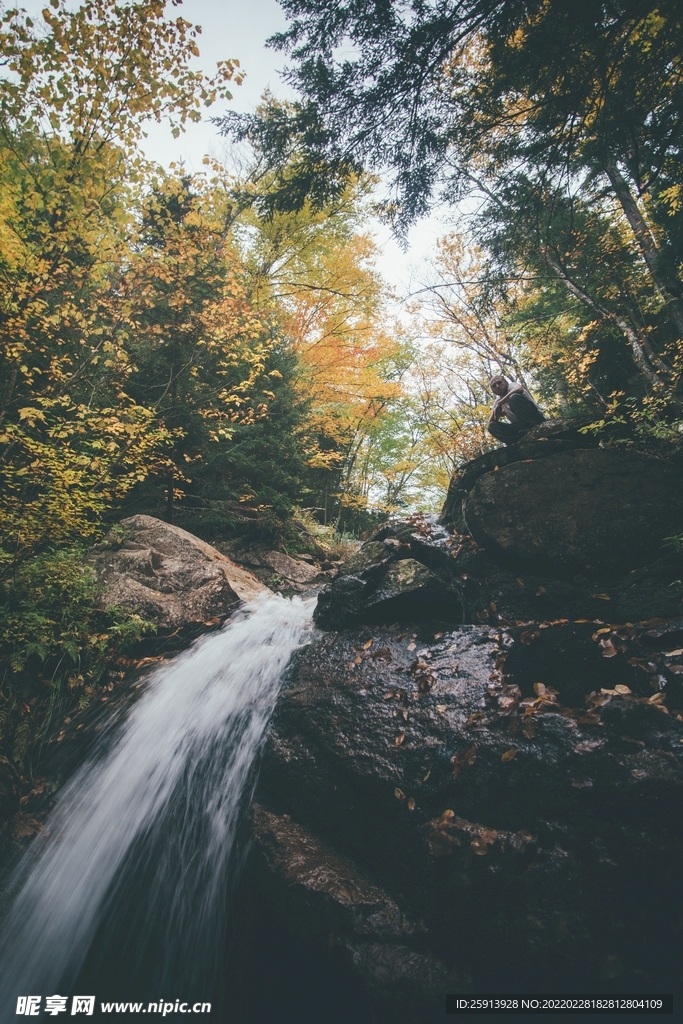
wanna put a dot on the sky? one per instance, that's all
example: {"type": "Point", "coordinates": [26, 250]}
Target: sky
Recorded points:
{"type": "Point", "coordinates": [239, 29]}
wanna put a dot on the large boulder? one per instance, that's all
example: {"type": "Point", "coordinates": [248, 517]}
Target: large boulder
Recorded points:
{"type": "Point", "coordinates": [507, 803]}
{"type": "Point", "coordinates": [600, 512]}
{"type": "Point", "coordinates": [461, 582]}
{"type": "Point", "coordinates": [167, 575]}
{"type": "Point", "coordinates": [549, 438]}
{"type": "Point", "coordinates": [402, 572]}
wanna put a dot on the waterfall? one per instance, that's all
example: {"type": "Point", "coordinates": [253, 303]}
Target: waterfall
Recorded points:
{"type": "Point", "coordinates": [134, 861]}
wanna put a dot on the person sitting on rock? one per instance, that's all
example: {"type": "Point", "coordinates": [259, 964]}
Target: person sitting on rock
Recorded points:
{"type": "Point", "coordinates": [518, 407]}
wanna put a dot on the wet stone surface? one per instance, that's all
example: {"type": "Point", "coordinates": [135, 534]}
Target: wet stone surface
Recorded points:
{"type": "Point", "coordinates": [527, 817]}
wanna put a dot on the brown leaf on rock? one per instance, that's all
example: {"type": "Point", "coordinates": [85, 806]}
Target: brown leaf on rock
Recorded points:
{"type": "Point", "coordinates": [368, 644]}
{"type": "Point", "coordinates": [399, 794]}
{"type": "Point", "coordinates": [411, 804]}
{"type": "Point", "coordinates": [602, 597]}
{"type": "Point", "coordinates": [521, 839]}
{"type": "Point", "coordinates": [479, 847]}
{"type": "Point", "coordinates": [529, 635]}
{"type": "Point", "coordinates": [588, 746]}
{"type": "Point", "coordinates": [389, 695]}
{"type": "Point", "coordinates": [540, 689]}
{"type": "Point", "coordinates": [447, 816]}
{"type": "Point", "coordinates": [509, 754]}
{"type": "Point", "coordinates": [399, 739]}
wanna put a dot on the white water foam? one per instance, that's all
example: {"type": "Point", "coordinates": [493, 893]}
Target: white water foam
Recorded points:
{"type": "Point", "coordinates": [151, 823]}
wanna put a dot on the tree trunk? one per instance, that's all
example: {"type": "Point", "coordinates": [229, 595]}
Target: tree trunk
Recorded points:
{"type": "Point", "coordinates": [637, 347]}
{"type": "Point", "coordinates": [666, 282]}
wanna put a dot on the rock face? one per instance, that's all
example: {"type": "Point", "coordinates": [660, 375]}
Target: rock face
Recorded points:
{"type": "Point", "coordinates": [601, 511]}
{"type": "Point", "coordinates": [430, 802]}
{"type": "Point", "coordinates": [550, 438]}
{"type": "Point", "coordinates": [476, 782]}
{"type": "Point", "coordinates": [461, 583]}
{"type": "Point", "coordinates": [167, 575]}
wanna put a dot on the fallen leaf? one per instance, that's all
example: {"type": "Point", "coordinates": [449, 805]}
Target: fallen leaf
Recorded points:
{"type": "Point", "coordinates": [411, 646]}
{"type": "Point", "coordinates": [411, 804]}
{"type": "Point", "coordinates": [620, 688]}
{"type": "Point", "coordinates": [367, 645]}
{"type": "Point", "coordinates": [608, 649]}
{"type": "Point", "coordinates": [447, 816]}
{"type": "Point", "coordinates": [540, 689]}
{"type": "Point", "coordinates": [587, 746]}
{"type": "Point", "coordinates": [399, 739]}
{"type": "Point", "coordinates": [673, 654]}
{"type": "Point", "coordinates": [541, 592]}
{"type": "Point", "coordinates": [520, 840]}
{"type": "Point", "coordinates": [479, 846]}
{"type": "Point", "coordinates": [437, 636]}
{"type": "Point", "coordinates": [493, 606]}
{"type": "Point", "coordinates": [441, 707]}
{"type": "Point", "coordinates": [357, 661]}
{"type": "Point", "coordinates": [425, 777]}
{"type": "Point", "coordinates": [529, 635]}
{"type": "Point", "coordinates": [509, 754]}
{"type": "Point", "coordinates": [389, 695]}
{"type": "Point", "coordinates": [605, 629]}
{"type": "Point", "coordinates": [602, 597]}
{"type": "Point", "coordinates": [399, 794]}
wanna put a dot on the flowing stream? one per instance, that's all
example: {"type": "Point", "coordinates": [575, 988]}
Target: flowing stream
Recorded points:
{"type": "Point", "coordinates": [130, 878]}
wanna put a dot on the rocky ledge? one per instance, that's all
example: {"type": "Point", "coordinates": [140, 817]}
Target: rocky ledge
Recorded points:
{"type": "Point", "coordinates": [474, 780]}
{"type": "Point", "coordinates": [167, 575]}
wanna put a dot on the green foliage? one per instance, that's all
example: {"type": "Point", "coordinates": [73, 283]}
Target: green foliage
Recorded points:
{"type": "Point", "coordinates": [54, 644]}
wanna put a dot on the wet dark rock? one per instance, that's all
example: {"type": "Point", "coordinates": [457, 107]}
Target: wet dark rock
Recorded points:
{"type": "Point", "coordinates": [167, 575]}
{"type": "Point", "coordinates": [471, 585]}
{"type": "Point", "coordinates": [517, 793]}
{"type": "Point", "coordinates": [539, 443]}
{"type": "Point", "coordinates": [514, 785]}
{"type": "Point", "coordinates": [322, 895]}
{"type": "Point", "coordinates": [602, 511]}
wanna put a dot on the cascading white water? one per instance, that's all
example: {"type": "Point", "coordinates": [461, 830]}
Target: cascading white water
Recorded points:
{"type": "Point", "coordinates": [134, 856]}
